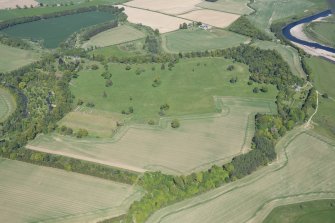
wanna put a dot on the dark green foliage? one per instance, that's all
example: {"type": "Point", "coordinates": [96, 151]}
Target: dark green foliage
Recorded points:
{"type": "Point", "coordinates": [157, 81]}
{"type": "Point", "coordinates": [14, 42]}
{"type": "Point", "coordinates": [109, 83]}
{"type": "Point", "coordinates": [81, 133]}
{"type": "Point", "coordinates": [230, 67]}
{"type": "Point", "coordinates": [243, 26]}
{"type": "Point", "coordinates": [183, 26]}
{"type": "Point", "coordinates": [175, 123]}
{"type": "Point", "coordinates": [233, 80]}
{"type": "Point", "coordinates": [255, 90]}
{"type": "Point", "coordinates": [94, 30]}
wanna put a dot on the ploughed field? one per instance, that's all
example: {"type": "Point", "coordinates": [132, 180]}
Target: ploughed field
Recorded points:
{"type": "Point", "coordinates": [56, 30]}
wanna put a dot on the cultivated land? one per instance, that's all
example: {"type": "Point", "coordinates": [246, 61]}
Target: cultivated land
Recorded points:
{"type": "Point", "coordinates": [188, 88]}
{"type": "Point", "coordinates": [306, 212]}
{"type": "Point", "coordinates": [164, 23]}
{"type": "Point", "coordinates": [52, 31]}
{"type": "Point", "coordinates": [304, 172]}
{"type": "Point", "coordinates": [169, 7]}
{"type": "Point", "coordinates": [31, 193]}
{"type": "Point", "coordinates": [232, 6]}
{"type": "Point", "coordinates": [211, 17]}
{"type": "Point", "coordinates": [197, 144]}
{"type": "Point", "coordinates": [10, 4]}
{"type": "Point", "coordinates": [114, 36]}
{"type": "Point", "coordinates": [13, 58]}
{"type": "Point", "coordinates": [199, 40]}
{"type": "Point", "coordinates": [7, 104]}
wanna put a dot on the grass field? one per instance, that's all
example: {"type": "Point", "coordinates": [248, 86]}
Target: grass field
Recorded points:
{"type": "Point", "coordinates": [7, 104]}
{"type": "Point", "coordinates": [188, 88]}
{"type": "Point", "coordinates": [322, 31]}
{"type": "Point", "coordinates": [306, 212]}
{"type": "Point", "coordinates": [32, 193]}
{"type": "Point", "coordinates": [303, 173]}
{"type": "Point", "coordinates": [200, 40]}
{"type": "Point", "coordinates": [52, 31]}
{"type": "Point", "coordinates": [14, 58]}
{"type": "Point", "coordinates": [232, 6]}
{"type": "Point", "coordinates": [197, 144]}
{"type": "Point", "coordinates": [289, 54]}
{"type": "Point", "coordinates": [115, 36]}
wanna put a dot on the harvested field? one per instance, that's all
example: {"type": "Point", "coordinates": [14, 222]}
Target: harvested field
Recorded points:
{"type": "Point", "coordinates": [163, 23]}
{"type": "Point", "coordinates": [114, 36]}
{"type": "Point", "coordinates": [32, 193]}
{"type": "Point", "coordinates": [7, 104]}
{"type": "Point", "coordinates": [11, 4]}
{"type": "Point", "coordinates": [169, 7]}
{"type": "Point", "coordinates": [304, 172]}
{"type": "Point", "coordinates": [233, 6]}
{"type": "Point", "coordinates": [197, 144]}
{"type": "Point", "coordinates": [211, 17]}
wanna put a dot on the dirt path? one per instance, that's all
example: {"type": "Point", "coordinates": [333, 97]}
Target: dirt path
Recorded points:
{"type": "Point", "coordinates": [307, 125]}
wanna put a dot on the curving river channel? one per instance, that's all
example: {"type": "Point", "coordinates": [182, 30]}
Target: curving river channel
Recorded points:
{"type": "Point", "coordinates": [287, 31]}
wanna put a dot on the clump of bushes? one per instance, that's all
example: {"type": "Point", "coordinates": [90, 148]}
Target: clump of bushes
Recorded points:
{"type": "Point", "coordinates": [175, 123]}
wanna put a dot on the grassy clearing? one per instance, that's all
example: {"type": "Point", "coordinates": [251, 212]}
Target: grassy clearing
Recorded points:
{"type": "Point", "coordinates": [200, 40]}
{"type": "Point", "coordinates": [322, 32]}
{"type": "Point", "coordinates": [306, 212]}
{"type": "Point", "coordinates": [233, 6]}
{"type": "Point", "coordinates": [7, 104]}
{"type": "Point", "coordinates": [52, 31]}
{"type": "Point", "coordinates": [32, 193]}
{"type": "Point", "coordinates": [289, 54]}
{"type": "Point", "coordinates": [197, 144]}
{"type": "Point", "coordinates": [188, 88]}
{"type": "Point", "coordinates": [115, 36]}
{"type": "Point", "coordinates": [13, 58]}
{"type": "Point", "coordinates": [304, 172]}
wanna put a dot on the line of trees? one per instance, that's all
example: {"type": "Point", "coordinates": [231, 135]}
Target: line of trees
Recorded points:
{"type": "Point", "coordinates": [245, 27]}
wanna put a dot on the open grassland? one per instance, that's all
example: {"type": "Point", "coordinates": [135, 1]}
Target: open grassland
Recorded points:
{"type": "Point", "coordinates": [322, 32]}
{"type": "Point", "coordinates": [232, 6]}
{"type": "Point", "coordinates": [211, 17]}
{"type": "Point", "coordinates": [10, 4]}
{"type": "Point", "coordinates": [32, 193]}
{"type": "Point", "coordinates": [303, 171]}
{"type": "Point", "coordinates": [115, 36]}
{"type": "Point", "coordinates": [169, 7]}
{"type": "Point", "coordinates": [305, 212]}
{"type": "Point", "coordinates": [130, 49]}
{"type": "Point", "coordinates": [52, 31]}
{"type": "Point", "coordinates": [199, 40]}
{"type": "Point", "coordinates": [188, 88]}
{"type": "Point", "coordinates": [289, 54]}
{"type": "Point", "coordinates": [197, 144]}
{"type": "Point", "coordinates": [323, 78]}
{"type": "Point", "coordinates": [7, 104]}
{"type": "Point", "coordinates": [12, 58]}
{"type": "Point", "coordinates": [164, 23]}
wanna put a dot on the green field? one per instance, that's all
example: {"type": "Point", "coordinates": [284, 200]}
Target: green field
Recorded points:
{"type": "Point", "coordinates": [289, 54]}
{"type": "Point", "coordinates": [200, 40]}
{"type": "Point", "coordinates": [14, 58]}
{"type": "Point", "coordinates": [322, 32]}
{"type": "Point", "coordinates": [31, 193]}
{"type": "Point", "coordinates": [306, 212]}
{"type": "Point", "coordinates": [52, 31]}
{"type": "Point", "coordinates": [51, 2]}
{"type": "Point", "coordinates": [233, 6]}
{"type": "Point", "coordinates": [188, 88]}
{"type": "Point", "coordinates": [304, 172]}
{"type": "Point", "coordinates": [215, 138]}
{"type": "Point", "coordinates": [7, 104]}
{"type": "Point", "coordinates": [114, 36]}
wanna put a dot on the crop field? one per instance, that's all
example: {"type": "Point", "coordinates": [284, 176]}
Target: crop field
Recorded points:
{"type": "Point", "coordinates": [215, 138]}
{"type": "Point", "coordinates": [197, 80]}
{"type": "Point", "coordinates": [322, 32]}
{"type": "Point", "coordinates": [305, 212]}
{"type": "Point", "coordinates": [7, 104]}
{"type": "Point", "coordinates": [289, 54]}
{"type": "Point", "coordinates": [303, 173]}
{"type": "Point", "coordinates": [211, 17]}
{"type": "Point", "coordinates": [169, 7]}
{"type": "Point", "coordinates": [15, 58]}
{"type": "Point", "coordinates": [233, 6]}
{"type": "Point", "coordinates": [31, 193]}
{"type": "Point", "coordinates": [114, 36]}
{"type": "Point", "coordinates": [164, 23]}
{"type": "Point", "coordinates": [200, 40]}
{"type": "Point", "coordinates": [52, 31]}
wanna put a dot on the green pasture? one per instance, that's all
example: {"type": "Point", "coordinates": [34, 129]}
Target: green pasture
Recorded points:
{"type": "Point", "coordinates": [52, 31]}
{"type": "Point", "coordinates": [13, 58]}
{"type": "Point", "coordinates": [114, 36]}
{"type": "Point", "coordinates": [7, 104]}
{"type": "Point", "coordinates": [188, 88]}
{"type": "Point", "coordinates": [232, 6]}
{"type": "Point", "coordinates": [305, 212]}
{"type": "Point", "coordinates": [321, 32]}
{"type": "Point", "coordinates": [199, 40]}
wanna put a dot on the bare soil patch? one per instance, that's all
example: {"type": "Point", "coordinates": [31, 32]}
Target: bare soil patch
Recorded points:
{"type": "Point", "coordinates": [10, 4]}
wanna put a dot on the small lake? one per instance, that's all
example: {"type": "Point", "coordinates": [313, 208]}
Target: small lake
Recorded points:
{"type": "Point", "coordinates": [287, 31]}
{"type": "Point", "coordinates": [55, 30]}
